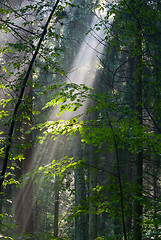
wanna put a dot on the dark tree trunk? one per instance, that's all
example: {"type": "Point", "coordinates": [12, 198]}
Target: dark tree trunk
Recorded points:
{"type": "Point", "coordinates": [81, 224]}
{"type": "Point", "coordinates": [56, 208]}
{"type": "Point", "coordinates": [138, 208]}
{"type": "Point", "coordinates": [92, 185]}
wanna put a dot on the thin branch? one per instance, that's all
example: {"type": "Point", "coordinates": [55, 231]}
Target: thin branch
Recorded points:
{"type": "Point", "coordinates": [100, 168]}
{"type": "Point", "coordinates": [16, 26]}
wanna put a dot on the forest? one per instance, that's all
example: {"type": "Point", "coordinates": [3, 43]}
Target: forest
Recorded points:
{"type": "Point", "coordinates": [80, 119]}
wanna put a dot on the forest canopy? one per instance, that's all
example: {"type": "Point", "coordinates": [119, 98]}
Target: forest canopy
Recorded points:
{"type": "Point", "coordinates": [80, 117]}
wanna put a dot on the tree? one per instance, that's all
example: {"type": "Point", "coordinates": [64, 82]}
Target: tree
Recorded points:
{"type": "Point", "coordinates": [112, 148]}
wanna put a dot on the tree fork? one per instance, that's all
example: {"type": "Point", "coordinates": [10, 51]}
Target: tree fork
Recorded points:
{"type": "Point", "coordinates": [14, 115]}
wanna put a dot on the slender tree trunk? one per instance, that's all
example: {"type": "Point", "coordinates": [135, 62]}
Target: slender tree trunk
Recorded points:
{"type": "Point", "coordinates": [28, 165]}
{"type": "Point", "coordinates": [1, 205]}
{"type": "Point", "coordinates": [92, 185]}
{"type": "Point", "coordinates": [80, 220]}
{"type": "Point", "coordinates": [81, 224]}
{"type": "Point", "coordinates": [156, 166]}
{"type": "Point", "coordinates": [28, 198]}
{"type": "Point", "coordinates": [138, 207]}
{"type": "Point", "coordinates": [18, 199]}
{"type": "Point", "coordinates": [126, 173]}
{"type": "Point", "coordinates": [127, 156]}
{"type": "Point", "coordinates": [20, 97]}
{"type": "Point", "coordinates": [56, 208]}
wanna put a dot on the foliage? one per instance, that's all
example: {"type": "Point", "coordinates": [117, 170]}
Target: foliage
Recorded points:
{"type": "Point", "coordinates": [110, 123]}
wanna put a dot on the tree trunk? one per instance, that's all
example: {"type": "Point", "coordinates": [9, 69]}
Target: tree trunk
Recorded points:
{"type": "Point", "coordinates": [156, 166]}
{"type": "Point", "coordinates": [56, 208]}
{"type": "Point", "coordinates": [1, 205]}
{"type": "Point", "coordinates": [28, 164]}
{"type": "Point", "coordinates": [18, 199]}
{"type": "Point", "coordinates": [81, 224]}
{"type": "Point", "coordinates": [138, 208]}
{"type": "Point", "coordinates": [92, 185]}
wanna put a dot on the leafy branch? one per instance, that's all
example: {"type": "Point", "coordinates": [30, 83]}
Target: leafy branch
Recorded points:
{"type": "Point", "coordinates": [12, 125]}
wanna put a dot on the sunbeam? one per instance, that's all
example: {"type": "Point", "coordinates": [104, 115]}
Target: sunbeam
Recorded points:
{"type": "Point", "coordinates": [86, 64]}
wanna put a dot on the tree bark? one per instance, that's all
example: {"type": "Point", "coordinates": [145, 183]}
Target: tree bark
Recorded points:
{"type": "Point", "coordinates": [81, 224]}
{"type": "Point", "coordinates": [92, 185]}
{"type": "Point", "coordinates": [138, 208]}
{"type": "Point", "coordinates": [56, 208]}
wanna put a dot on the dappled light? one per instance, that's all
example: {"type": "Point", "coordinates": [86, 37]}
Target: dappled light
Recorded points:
{"type": "Point", "coordinates": [80, 137]}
